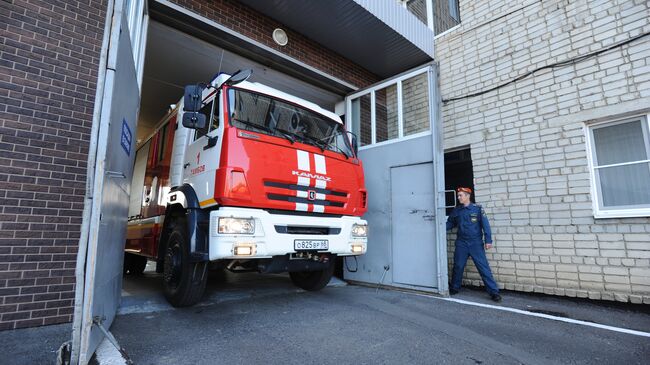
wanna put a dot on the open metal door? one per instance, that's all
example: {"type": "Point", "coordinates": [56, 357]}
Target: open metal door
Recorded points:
{"type": "Point", "coordinates": [110, 166]}
{"type": "Point", "coordinates": [399, 125]}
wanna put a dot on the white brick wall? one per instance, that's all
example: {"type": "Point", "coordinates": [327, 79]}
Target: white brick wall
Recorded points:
{"type": "Point", "coordinates": [527, 139]}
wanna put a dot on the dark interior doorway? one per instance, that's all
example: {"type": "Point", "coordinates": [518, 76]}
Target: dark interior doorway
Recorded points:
{"type": "Point", "coordinates": [458, 172]}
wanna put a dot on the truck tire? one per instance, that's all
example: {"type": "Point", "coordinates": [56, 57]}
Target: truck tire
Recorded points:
{"type": "Point", "coordinates": [134, 264]}
{"type": "Point", "coordinates": [312, 280]}
{"type": "Point", "coordinates": [183, 281]}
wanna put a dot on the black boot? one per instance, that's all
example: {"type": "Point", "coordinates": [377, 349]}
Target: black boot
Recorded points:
{"type": "Point", "coordinates": [453, 291]}
{"type": "Point", "coordinates": [495, 297]}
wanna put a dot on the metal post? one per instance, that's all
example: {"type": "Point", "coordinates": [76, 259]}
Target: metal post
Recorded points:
{"type": "Point", "coordinates": [435, 116]}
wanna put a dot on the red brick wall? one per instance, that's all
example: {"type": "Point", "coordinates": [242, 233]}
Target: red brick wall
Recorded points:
{"type": "Point", "coordinates": [257, 26]}
{"type": "Point", "coordinates": [48, 70]}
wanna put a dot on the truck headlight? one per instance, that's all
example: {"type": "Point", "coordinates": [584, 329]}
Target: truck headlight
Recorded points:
{"type": "Point", "coordinates": [236, 225]}
{"type": "Point", "coordinates": [360, 230]}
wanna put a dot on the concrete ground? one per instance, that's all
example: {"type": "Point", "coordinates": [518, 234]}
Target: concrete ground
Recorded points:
{"type": "Point", "coordinates": [252, 318]}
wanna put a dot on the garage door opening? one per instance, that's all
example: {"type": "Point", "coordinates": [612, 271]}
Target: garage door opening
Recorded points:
{"type": "Point", "coordinates": [172, 60]}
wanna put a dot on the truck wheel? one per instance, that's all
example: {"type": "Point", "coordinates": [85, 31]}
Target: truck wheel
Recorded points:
{"type": "Point", "coordinates": [183, 281]}
{"type": "Point", "coordinates": [134, 264]}
{"type": "Point", "coordinates": [312, 280]}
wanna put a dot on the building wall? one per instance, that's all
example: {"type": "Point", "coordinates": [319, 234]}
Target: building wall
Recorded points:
{"type": "Point", "coordinates": [48, 71]}
{"type": "Point", "coordinates": [528, 144]}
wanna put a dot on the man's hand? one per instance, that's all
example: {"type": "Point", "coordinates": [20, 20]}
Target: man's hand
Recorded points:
{"type": "Point", "coordinates": [488, 246]}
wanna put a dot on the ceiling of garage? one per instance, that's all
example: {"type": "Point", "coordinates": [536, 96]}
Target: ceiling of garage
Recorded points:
{"type": "Point", "coordinates": [362, 31]}
{"type": "Point", "coordinates": [174, 59]}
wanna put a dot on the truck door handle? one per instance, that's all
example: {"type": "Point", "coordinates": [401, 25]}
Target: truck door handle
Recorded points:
{"type": "Point", "coordinates": [186, 165]}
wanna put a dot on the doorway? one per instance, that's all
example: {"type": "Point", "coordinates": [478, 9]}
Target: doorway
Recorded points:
{"type": "Point", "coordinates": [458, 172]}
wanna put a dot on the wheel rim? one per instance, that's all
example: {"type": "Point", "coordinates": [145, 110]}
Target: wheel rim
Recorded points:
{"type": "Point", "coordinates": [173, 267]}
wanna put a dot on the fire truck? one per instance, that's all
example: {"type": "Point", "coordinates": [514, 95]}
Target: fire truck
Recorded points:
{"type": "Point", "coordinates": [244, 177]}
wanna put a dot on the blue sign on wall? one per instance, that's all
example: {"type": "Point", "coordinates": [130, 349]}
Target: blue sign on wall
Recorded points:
{"type": "Point", "coordinates": [126, 138]}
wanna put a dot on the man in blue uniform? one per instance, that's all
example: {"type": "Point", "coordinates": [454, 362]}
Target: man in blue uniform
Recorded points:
{"type": "Point", "coordinates": [473, 227]}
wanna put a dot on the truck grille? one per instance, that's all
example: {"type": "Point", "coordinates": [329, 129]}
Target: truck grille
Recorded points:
{"type": "Point", "coordinates": [307, 230]}
{"type": "Point", "coordinates": [290, 194]}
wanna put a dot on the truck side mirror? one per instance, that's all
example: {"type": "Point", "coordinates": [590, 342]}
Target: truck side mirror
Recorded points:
{"type": "Point", "coordinates": [239, 76]}
{"type": "Point", "coordinates": [193, 120]}
{"type": "Point", "coordinates": [192, 101]}
{"type": "Point", "coordinates": [193, 97]}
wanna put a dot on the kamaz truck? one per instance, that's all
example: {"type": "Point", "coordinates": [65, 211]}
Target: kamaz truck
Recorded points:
{"type": "Point", "coordinates": [244, 177]}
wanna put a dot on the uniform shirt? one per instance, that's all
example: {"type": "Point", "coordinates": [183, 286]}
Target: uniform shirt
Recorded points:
{"type": "Point", "coordinates": [470, 220]}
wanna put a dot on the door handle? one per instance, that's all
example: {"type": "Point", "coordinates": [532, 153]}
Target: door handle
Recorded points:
{"type": "Point", "coordinates": [186, 165]}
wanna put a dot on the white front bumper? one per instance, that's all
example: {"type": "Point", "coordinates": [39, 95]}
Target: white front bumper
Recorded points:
{"type": "Point", "coordinates": [268, 242]}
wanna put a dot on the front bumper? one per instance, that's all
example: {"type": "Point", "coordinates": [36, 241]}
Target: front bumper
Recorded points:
{"type": "Point", "coordinates": [267, 242]}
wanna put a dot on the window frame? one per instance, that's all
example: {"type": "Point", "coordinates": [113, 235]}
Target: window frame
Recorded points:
{"type": "Point", "coordinates": [400, 108]}
{"type": "Point", "coordinates": [595, 190]}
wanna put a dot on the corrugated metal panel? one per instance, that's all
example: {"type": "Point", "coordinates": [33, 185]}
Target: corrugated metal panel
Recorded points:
{"type": "Point", "coordinates": [381, 36]}
{"type": "Point", "coordinates": [402, 21]}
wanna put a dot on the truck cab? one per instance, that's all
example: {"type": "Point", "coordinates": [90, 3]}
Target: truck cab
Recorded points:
{"type": "Point", "coordinates": [248, 178]}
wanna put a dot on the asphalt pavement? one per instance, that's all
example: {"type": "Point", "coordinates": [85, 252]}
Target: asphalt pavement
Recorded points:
{"type": "Point", "coordinates": [253, 319]}
{"type": "Point", "coordinates": [271, 322]}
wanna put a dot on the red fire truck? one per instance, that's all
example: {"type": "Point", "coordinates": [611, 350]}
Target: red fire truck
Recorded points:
{"type": "Point", "coordinates": [248, 178]}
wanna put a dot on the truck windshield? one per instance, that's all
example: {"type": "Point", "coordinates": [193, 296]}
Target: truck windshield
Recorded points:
{"type": "Point", "coordinates": [264, 114]}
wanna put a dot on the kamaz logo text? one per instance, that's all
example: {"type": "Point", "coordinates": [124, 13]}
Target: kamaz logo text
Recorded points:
{"type": "Point", "coordinates": [310, 175]}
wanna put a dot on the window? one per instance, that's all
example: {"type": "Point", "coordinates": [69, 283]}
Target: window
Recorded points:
{"type": "Point", "coordinates": [392, 110]}
{"type": "Point", "coordinates": [437, 15]}
{"type": "Point", "coordinates": [211, 119]}
{"type": "Point", "coordinates": [454, 12]}
{"type": "Point", "coordinates": [619, 155]}
{"type": "Point", "coordinates": [418, 8]}
{"type": "Point", "coordinates": [267, 115]}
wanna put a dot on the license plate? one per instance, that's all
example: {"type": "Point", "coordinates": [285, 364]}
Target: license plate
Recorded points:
{"type": "Point", "coordinates": [311, 245]}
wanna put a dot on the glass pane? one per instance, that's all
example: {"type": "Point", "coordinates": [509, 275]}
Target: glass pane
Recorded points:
{"type": "Point", "coordinates": [625, 185]}
{"type": "Point", "coordinates": [360, 118]}
{"type": "Point", "coordinates": [620, 143]}
{"type": "Point", "coordinates": [445, 15]}
{"type": "Point", "coordinates": [419, 9]}
{"type": "Point", "coordinates": [415, 95]}
{"type": "Point", "coordinates": [205, 110]}
{"type": "Point", "coordinates": [267, 115]}
{"type": "Point", "coordinates": [386, 113]}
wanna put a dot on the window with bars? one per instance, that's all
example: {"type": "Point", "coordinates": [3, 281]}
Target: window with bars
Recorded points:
{"type": "Point", "coordinates": [619, 155]}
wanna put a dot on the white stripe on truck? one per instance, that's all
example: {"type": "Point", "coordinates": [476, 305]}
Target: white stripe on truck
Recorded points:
{"type": "Point", "coordinates": [303, 160]}
{"type": "Point", "coordinates": [319, 161]}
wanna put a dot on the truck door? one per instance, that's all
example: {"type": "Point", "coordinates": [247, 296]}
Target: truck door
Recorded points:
{"type": "Point", "coordinates": [110, 166]}
{"type": "Point", "coordinates": [203, 152]}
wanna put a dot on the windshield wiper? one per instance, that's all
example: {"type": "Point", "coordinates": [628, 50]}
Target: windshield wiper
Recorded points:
{"type": "Point", "coordinates": [288, 135]}
{"type": "Point", "coordinates": [267, 129]}
{"type": "Point", "coordinates": [317, 142]}
{"type": "Point", "coordinates": [340, 150]}
{"type": "Point", "coordinates": [254, 125]}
